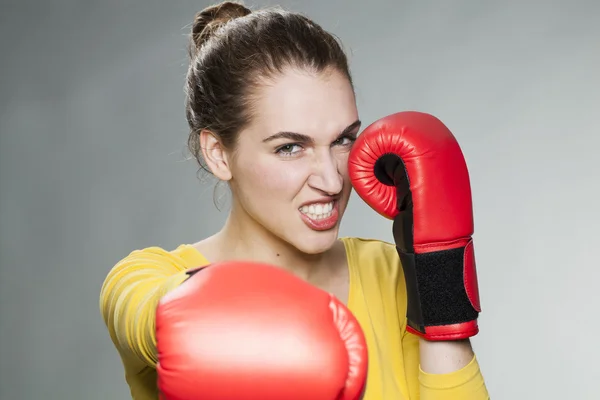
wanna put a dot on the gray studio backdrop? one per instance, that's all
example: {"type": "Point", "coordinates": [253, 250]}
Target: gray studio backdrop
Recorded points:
{"type": "Point", "coordinates": [92, 166]}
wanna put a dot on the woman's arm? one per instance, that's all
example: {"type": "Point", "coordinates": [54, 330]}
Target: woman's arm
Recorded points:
{"type": "Point", "coordinates": [129, 296]}
{"type": "Point", "coordinates": [443, 357]}
{"type": "Point", "coordinates": [442, 370]}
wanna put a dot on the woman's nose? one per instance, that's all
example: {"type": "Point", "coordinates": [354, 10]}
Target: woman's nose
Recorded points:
{"type": "Point", "coordinates": [326, 175]}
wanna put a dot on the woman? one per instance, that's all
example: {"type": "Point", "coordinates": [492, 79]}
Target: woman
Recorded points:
{"type": "Point", "coordinates": [271, 110]}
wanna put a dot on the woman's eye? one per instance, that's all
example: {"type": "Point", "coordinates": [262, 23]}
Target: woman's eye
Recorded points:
{"type": "Point", "coordinates": [344, 141]}
{"type": "Point", "coordinates": [289, 149]}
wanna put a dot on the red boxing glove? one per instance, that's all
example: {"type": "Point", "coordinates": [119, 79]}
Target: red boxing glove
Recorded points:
{"type": "Point", "coordinates": [409, 167]}
{"type": "Point", "coordinates": [247, 331]}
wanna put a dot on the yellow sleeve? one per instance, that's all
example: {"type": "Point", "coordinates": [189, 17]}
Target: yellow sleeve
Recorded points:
{"type": "Point", "coordinates": [466, 383]}
{"type": "Point", "coordinates": [129, 296]}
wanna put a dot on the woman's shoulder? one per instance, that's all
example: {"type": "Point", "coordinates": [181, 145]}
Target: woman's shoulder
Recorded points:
{"type": "Point", "coordinates": [375, 268]}
{"type": "Point", "coordinates": [183, 255]}
{"type": "Point", "coordinates": [368, 245]}
{"type": "Point", "coordinates": [371, 252]}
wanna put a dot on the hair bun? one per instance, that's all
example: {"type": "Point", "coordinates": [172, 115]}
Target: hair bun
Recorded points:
{"type": "Point", "coordinates": [211, 18]}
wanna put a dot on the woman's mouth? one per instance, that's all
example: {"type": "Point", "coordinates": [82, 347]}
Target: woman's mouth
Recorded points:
{"type": "Point", "coordinates": [318, 210]}
{"type": "Point", "coordinates": [320, 216]}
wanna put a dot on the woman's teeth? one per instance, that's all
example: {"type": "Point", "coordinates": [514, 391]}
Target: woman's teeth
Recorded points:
{"type": "Point", "coordinates": [317, 211]}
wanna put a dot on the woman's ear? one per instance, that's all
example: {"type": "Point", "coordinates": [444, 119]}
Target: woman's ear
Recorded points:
{"type": "Point", "coordinates": [215, 155]}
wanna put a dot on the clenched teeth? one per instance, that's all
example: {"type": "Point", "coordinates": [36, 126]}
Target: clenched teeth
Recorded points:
{"type": "Point", "coordinates": [318, 210]}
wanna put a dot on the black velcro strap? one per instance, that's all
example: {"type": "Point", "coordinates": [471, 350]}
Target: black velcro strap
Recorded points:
{"type": "Point", "coordinates": [436, 289]}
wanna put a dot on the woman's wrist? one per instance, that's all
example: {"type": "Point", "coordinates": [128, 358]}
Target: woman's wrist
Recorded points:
{"type": "Point", "coordinates": [444, 357]}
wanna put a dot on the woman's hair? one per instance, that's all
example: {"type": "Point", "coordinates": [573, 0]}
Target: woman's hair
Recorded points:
{"type": "Point", "coordinates": [232, 50]}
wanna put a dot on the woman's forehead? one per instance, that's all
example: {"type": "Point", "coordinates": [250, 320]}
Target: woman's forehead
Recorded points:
{"type": "Point", "coordinates": [307, 103]}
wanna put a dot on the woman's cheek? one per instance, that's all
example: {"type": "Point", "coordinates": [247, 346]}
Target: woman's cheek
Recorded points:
{"type": "Point", "coordinates": [281, 175]}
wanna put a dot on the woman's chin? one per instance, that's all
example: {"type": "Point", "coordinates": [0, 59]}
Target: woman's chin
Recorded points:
{"type": "Point", "coordinates": [316, 242]}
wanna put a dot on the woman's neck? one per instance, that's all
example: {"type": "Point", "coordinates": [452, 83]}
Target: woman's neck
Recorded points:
{"type": "Point", "coordinates": [242, 238]}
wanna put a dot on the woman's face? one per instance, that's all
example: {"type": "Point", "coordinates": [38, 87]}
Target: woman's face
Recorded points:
{"type": "Point", "coordinates": [289, 169]}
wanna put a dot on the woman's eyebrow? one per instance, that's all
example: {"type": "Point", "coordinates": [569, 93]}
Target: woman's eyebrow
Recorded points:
{"type": "Point", "coordinates": [299, 137]}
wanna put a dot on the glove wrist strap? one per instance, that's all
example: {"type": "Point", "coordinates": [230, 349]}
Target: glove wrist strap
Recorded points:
{"type": "Point", "coordinates": [437, 293]}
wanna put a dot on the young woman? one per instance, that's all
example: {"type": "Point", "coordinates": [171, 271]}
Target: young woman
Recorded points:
{"type": "Point", "coordinates": [271, 110]}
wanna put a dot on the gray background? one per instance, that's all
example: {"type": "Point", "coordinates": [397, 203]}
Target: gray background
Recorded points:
{"type": "Point", "coordinates": [92, 166]}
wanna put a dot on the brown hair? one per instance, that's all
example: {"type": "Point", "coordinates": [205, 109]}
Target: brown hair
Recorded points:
{"type": "Point", "coordinates": [231, 49]}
